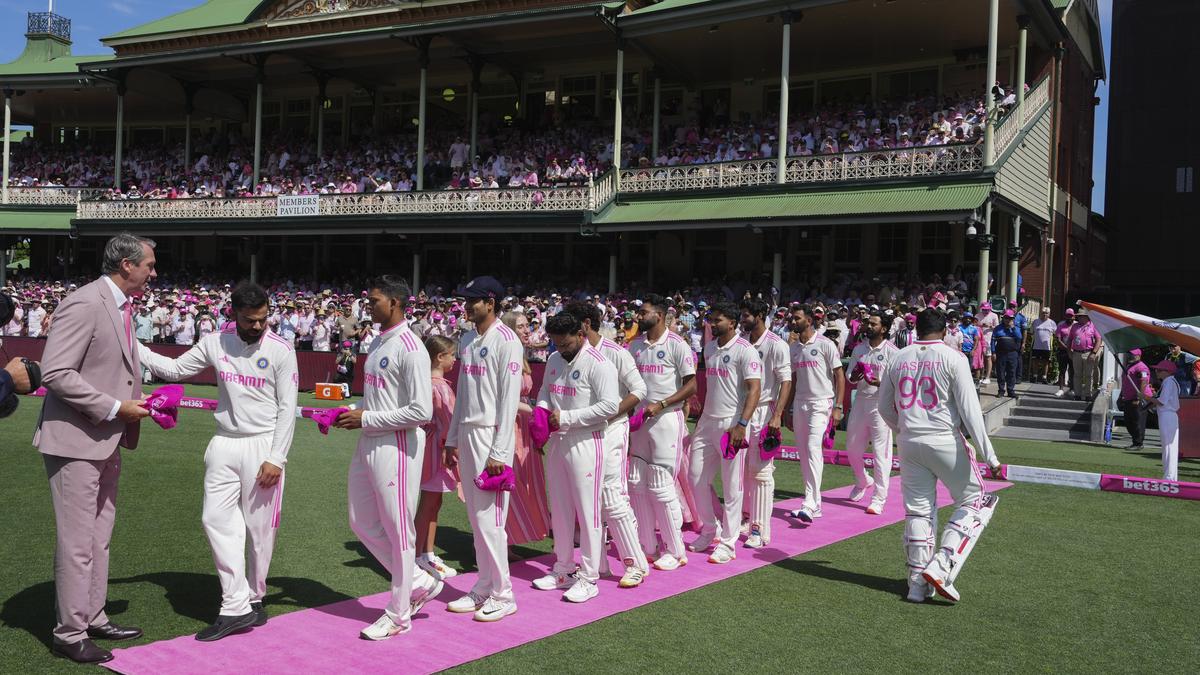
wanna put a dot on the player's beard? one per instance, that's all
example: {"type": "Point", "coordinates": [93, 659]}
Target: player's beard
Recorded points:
{"type": "Point", "coordinates": [646, 325]}
{"type": "Point", "coordinates": [249, 337]}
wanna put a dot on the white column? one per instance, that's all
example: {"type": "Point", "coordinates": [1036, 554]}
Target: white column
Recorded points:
{"type": "Point", "coordinates": [416, 274]}
{"type": "Point", "coordinates": [1014, 266]}
{"type": "Point", "coordinates": [657, 118]}
{"type": "Point", "coordinates": [777, 271]}
{"type": "Point", "coordinates": [618, 92]}
{"type": "Point", "coordinates": [120, 136]}
{"type": "Point", "coordinates": [612, 272]}
{"type": "Point", "coordinates": [187, 140]}
{"type": "Point", "coordinates": [1022, 41]}
{"type": "Point", "coordinates": [989, 129]}
{"type": "Point", "coordinates": [784, 70]}
{"type": "Point", "coordinates": [7, 141]}
{"type": "Point", "coordinates": [984, 255]}
{"type": "Point", "coordinates": [258, 96]}
{"type": "Point", "coordinates": [421, 124]}
{"type": "Point", "coordinates": [321, 98]}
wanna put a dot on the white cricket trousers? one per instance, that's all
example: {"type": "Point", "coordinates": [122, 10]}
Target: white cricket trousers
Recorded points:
{"type": "Point", "coordinates": [487, 512]}
{"type": "Point", "coordinates": [810, 419]}
{"type": "Point", "coordinates": [1168, 431]}
{"type": "Point", "coordinates": [706, 462]}
{"type": "Point", "coordinates": [236, 509]}
{"type": "Point", "coordinates": [865, 425]}
{"type": "Point", "coordinates": [924, 460]}
{"type": "Point", "coordinates": [574, 477]}
{"type": "Point", "coordinates": [656, 450]}
{"type": "Point", "coordinates": [759, 478]}
{"type": "Point", "coordinates": [383, 488]}
{"type": "Point", "coordinates": [614, 496]}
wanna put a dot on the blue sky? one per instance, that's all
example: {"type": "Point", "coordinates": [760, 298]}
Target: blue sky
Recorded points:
{"type": "Point", "coordinates": [93, 19]}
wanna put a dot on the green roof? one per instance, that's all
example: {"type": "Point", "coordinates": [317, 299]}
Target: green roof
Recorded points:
{"type": "Point", "coordinates": [847, 201]}
{"type": "Point", "coordinates": [212, 14]}
{"type": "Point", "coordinates": [36, 221]}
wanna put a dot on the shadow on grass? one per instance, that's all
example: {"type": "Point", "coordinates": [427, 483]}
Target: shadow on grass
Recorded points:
{"type": "Point", "coordinates": [32, 610]}
{"type": "Point", "coordinates": [821, 569]}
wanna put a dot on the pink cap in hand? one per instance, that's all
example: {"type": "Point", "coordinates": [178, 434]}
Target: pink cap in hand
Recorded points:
{"type": "Point", "coordinates": [637, 420]}
{"type": "Point", "coordinates": [325, 418]}
{"type": "Point", "coordinates": [539, 427]}
{"type": "Point", "coordinates": [505, 480]}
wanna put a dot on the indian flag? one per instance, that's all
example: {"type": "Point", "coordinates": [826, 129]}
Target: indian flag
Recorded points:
{"type": "Point", "coordinates": [1124, 330]}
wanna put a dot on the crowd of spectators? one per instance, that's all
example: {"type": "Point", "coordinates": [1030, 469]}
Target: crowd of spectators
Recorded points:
{"type": "Point", "coordinates": [221, 165]}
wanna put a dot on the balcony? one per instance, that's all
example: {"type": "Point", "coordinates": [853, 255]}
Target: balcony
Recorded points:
{"type": "Point", "coordinates": [427, 202]}
{"type": "Point", "coordinates": [50, 196]}
{"type": "Point", "coordinates": [48, 23]}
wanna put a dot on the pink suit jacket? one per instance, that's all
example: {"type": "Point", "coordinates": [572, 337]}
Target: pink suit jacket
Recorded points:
{"type": "Point", "coordinates": [87, 366]}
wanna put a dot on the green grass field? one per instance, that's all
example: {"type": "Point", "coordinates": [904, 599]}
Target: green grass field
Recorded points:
{"type": "Point", "coordinates": [1065, 580]}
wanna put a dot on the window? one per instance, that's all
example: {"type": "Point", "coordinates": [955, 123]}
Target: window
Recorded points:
{"type": "Point", "coordinates": [800, 100]}
{"type": "Point", "coordinates": [847, 245]}
{"type": "Point", "coordinates": [935, 236]}
{"type": "Point", "coordinates": [1183, 179]}
{"type": "Point", "coordinates": [893, 243]}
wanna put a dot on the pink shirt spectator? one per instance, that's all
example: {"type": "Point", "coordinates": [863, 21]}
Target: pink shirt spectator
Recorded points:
{"type": "Point", "coordinates": [1083, 337]}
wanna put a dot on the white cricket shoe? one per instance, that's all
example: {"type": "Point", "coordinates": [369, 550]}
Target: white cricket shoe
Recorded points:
{"type": "Point", "coordinates": [494, 610]}
{"type": "Point", "coordinates": [876, 508]}
{"type": "Point", "coordinates": [423, 591]}
{"type": "Point", "coordinates": [436, 567]}
{"type": "Point", "coordinates": [634, 576]}
{"type": "Point", "coordinates": [935, 575]}
{"type": "Point", "coordinates": [581, 591]}
{"type": "Point", "coordinates": [702, 543]}
{"type": "Point", "coordinates": [554, 582]}
{"type": "Point", "coordinates": [857, 494]}
{"type": "Point", "coordinates": [918, 589]}
{"type": "Point", "coordinates": [382, 629]}
{"type": "Point", "coordinates": [744, 530]}
{"type": "Point", "coordinates": [1059, 393]}
{"type": "Point", "coordinates": [986, 380]}
{"type": "Point", "coordinates": [470, 602]}
{"type": "Point", "coordinates": [722, 554]}
{"type": "Point", "coordinates": [805, 514]}
{"type": "Point", "coordinates": [668, 562]}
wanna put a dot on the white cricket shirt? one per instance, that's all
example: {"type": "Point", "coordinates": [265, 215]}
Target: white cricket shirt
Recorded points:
{"type": "Point", "coordinates": [726, 369]}
{"type": "Point", "coordinates": [397, 385]}
{"type": "Point", "coordinates": [256, 384]}
{"type": "Point", "coordinates": [584, 390]}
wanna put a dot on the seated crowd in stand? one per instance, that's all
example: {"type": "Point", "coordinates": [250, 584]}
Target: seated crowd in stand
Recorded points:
{"type": "Point", "coordinates": [221, 166]}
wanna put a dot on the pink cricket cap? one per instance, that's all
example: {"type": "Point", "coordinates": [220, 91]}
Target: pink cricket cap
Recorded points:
{"type": "Point", "coordinates": [539, 427]}
{"type": "Point", "coordinates": [637, 420]}
{"type": "Point", "coordinates": [325, 418]}
{"type": "Point", "coordinates": [1135, 352]}
{"type": "Point", "coordinates": [505, 480]}
{"type": "Point", "coordinates": [1008, 314]}
{"type": "Point", "coordinates": [1070, 312]}
{"type": "Point", "coordinates": [1166, 366]}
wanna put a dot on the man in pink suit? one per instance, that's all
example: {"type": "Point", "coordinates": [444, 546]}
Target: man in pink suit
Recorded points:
{"type": "Point", "coordinates": [93, 407]}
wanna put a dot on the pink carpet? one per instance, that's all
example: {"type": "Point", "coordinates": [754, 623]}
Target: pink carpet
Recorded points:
{"type": "Point", "coordinates": [325, 639]}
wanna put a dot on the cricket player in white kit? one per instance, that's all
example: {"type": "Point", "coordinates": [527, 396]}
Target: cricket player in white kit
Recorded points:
{"type": "Point", "coordinates": [759, 488]}
{"type": "Point", "coordinates": [928, 397]}
{"type": "Point", "coordinates": [257, 381]}
{"type": "Point", "coordinates": [580, 392]}
{"type": "Point", "coordinates": [482, 437]}
{"type": "Point", "coordinates": [668, 368]}
{"type": "Point", "coordinates": [733, 374]}
{"type": "Point", "coordinates": [384, 482]}
{"type": "Point", "coordinates": [817, 394]}
{"type": "Point", "coordinates": [865, 425]}
{"type": "Point", "coordinates": [618, 512]}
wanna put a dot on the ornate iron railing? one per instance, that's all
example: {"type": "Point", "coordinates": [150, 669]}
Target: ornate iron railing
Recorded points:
{"type": "Point", "coordinates": [48, 23]}
{"type": "Point", "coordinates": [1010, 127]}
{"type": "Point", "coordinates": [847, 166]}
{"type": "Point", "coordinates": [428, 202]}
{"type": "Point", "coordinates": [51, 196]}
